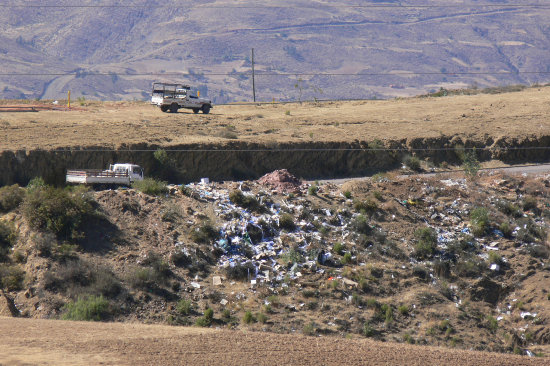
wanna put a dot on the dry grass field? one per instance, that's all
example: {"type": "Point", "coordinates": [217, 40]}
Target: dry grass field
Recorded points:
{"type": "Point", "coordinates": [114, 124]}
{"type": "Point", "coordinates": [48, 342]}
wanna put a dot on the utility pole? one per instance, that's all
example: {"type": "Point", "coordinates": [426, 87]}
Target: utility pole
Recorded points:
{"type": "Point", "coordinates": [253, 81]}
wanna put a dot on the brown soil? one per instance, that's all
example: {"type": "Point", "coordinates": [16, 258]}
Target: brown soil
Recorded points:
{"type": "Point", "coordinates": [47, 342]}
{"type": "Point", "coordinates": [124, 123]}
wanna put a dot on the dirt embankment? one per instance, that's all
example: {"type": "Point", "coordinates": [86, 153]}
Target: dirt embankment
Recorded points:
{"type": "Point", "coordinates": [245, 160]}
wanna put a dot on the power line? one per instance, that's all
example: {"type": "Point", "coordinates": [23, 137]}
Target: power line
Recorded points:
{"type": "Point", "coordinates": [319, 6]}
{"type": "Point", "coordinates": [365, 149]}
{"type": "Point", "coordinates": [295, 73]}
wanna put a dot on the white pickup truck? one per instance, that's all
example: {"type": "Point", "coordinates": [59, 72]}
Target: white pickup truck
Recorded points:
{"type": "Point", "coordinates": [117, 174]}
{"type": "Point", "coordinates": [171, 97]}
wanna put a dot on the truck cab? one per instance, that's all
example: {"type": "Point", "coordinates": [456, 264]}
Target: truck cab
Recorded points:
{"type": "Point", "coordinates": [135, 172]}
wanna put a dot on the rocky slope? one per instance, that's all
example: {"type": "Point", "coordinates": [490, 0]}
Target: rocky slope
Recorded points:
{"type": "Point", "coordinates": [436, 261]}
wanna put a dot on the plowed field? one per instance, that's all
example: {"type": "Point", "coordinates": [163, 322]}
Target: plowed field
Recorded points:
{"type": "Point", "coordinates": [50, 342]}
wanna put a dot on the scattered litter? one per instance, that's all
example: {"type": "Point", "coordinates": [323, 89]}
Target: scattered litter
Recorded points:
{"type": "Point", "coordinates": [526, 314]}
{"type": "Point", "coordinates": [224, 302]}
{"type": "Point", "coordinates": [195, 285]}
{"type": "Point", "coordinates": [216, 281]}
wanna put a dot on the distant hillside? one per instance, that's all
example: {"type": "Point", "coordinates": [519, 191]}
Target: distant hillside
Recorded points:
{"type": "Point", "coordinates": [212, 41]}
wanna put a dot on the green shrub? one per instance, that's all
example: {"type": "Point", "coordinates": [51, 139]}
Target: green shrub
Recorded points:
{"type": "Point", "coordinates": [309, 329]}
{"type": "Point", "coordinates": [347, 194]}
{"type": "Point", "coordinates": [105, 283]}
{"type": "Point", "coordinates": [539, 251]}
{"type": "Point", "coordinates": [366, 207]}
{"type": "Point", "coordinates": [90, 308]}
{"type": "Point", "coordinates": [492, 323]}
{"type": "Point", "coordinates": [445, 326]}
{"type": "Point", "coordinates": [403, 310]}
{"type": "Point", "coordinates": [245, 201]}
{"type": "Point", "coordinates": [470, 266]}
{"type": "Point", "coordinates": [368, 330]}
{"type": "Point", "coordinates": [338, 248]}
{"type": "Point", "coordinates": [206, 319]}
{"type": "Point", "coordinates": [59, 211]}
{"type": "Point", "coordinates": [379, 177]}
{"type": "Point", "coordinates": [36, 183]}
{"type": "Point", "coordinates": [529, 203]}
{"type": "Point", "coordinates": [494, 257]}
{"type": "Point", "coordinates": [11, 197]}
{"type": "Point", "coordinates": [226, 315]}
{"type": "Point", "coordinates": [346, 259]}
{"type": "Point", "coordinates": [530, 231]}
{"type": "Point", "coordinates": [161, 156]}
{"type": "Point", "coordinates": [151, 186]}
{"type": "Point", "coordinates": [408, 338]}
{"type": "Point", "coordinates": [205, 233]}
{"type": "Point", "coordinates": [426, 243]}
{"type": "Point", "coordinates": [171, 213]}
{"type": "Point", "coordinates": [506, 229]}
{"type": "Point", "coordinates": [388, 315]}
{"type": "Point", "coordinates": [240, 271]}
{"type": "Point", "coordinates": [184, 307]}
{"type": "Point", "coordinates": [361, 225]}
{"type": "Point", "coordinates": [286, 222]}
{"type": "Point", "coordinates": [372, 304]}
{"type": "Point", "coordinates": [420, 272]}
{"type": "Point", "coordinates": [202, 322]}
{"type": "Point", "coordinates": [7, 240]}
{"type": "Point", "coordinates": [143, 278]}
{"type": "Point", "coordinates": [160, 267]}
{"type": "Point", "coordinates": [364, 285]}
{"type": "Point", "coordinates": [248, 318]}
{"type": "Point", "coordinates": [479, 219]}
{"type": "Point", "coordinates": [412, 162]}
{"type": "Point", "coordinates": [186, 191]}
{"type": "Point", "coordinates": [508, 208]}
{"type": "Point", "coordinates": [19, 257]}
{"type": "Point", "coordinates": [378, 195]}
{"type": "Point", "coordinates": [274, 299]}
{"type": "Point", "coordinates": [442, 268]}
{"type": "Point", "coordinates": [312, 190]}
{"type": "Point", "coordinates": [470, 163]}
{"type": "Point", "coordinates": [376, 271]}
{"type": "Point", "coordinates": [262, 318]}
{"type": "Point", "coordinates": [44, 243]}
{"type": "Point", "coordinates": [11, 277]}
{"type": "Point", "coordinates": [77, 277]}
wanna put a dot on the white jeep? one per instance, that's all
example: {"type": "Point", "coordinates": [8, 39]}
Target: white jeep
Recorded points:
{"type": "Point", "coordinates": [171, 97]}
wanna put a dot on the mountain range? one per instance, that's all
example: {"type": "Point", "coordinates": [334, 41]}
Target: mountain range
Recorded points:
{"type": "Point", "coordinates": [303, 49]}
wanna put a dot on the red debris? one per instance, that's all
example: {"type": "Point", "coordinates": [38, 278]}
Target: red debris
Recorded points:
{"type": "Point", "coordinates": [281, 181]}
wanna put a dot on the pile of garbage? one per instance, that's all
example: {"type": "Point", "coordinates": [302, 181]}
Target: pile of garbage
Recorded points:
{"type": "Point", "coordinates": [261, 241]}
{"type": "Point", "coordinates": [281, 181]}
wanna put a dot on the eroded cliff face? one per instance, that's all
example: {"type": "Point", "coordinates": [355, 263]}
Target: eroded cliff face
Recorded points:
{"type": "Point", "coordinates": [239, 160]}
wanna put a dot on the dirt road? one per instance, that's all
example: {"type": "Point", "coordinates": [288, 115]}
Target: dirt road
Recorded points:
{"type": "Point", "coordinates": [52, 342]}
